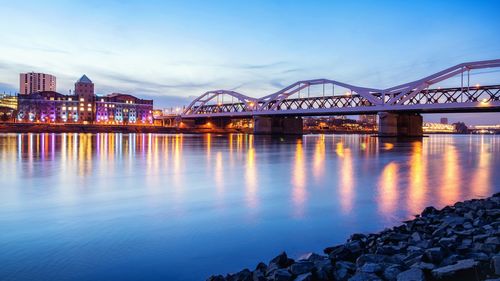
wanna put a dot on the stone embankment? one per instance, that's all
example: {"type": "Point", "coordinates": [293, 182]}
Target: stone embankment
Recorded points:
{"type": "Point", "coordinates": [459, 242]}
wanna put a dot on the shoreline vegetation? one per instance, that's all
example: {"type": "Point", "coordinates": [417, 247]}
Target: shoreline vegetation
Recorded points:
{"type": "Point", "coordinates": [459, 242]}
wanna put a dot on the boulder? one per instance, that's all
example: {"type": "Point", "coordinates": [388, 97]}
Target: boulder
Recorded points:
{"type": "Point", "coordinates": [280, 275]}
{"type": "Point", "coordinates": [434, 255]}
{"type": "Point", "coordinates": [304, 277]}
{"type": "Point", "coordinates": [361, 276]}
{"type": "Point", "coordinates": [281, 261]}
{"type": "Point", "coordinates": [391, 272]}
{"type": "Point", "coordinates": [373, 258]}
{"type": "Point", "coordinates": [371, 268]}
{"type": "Point", "coordinates": [428, 211]}
{"type": "Point", "coordinates": [301, 267]}
{"type": "Point", "coordinates": [412, 274]}
{"type": "Point", "coordinates": [244, 275]}
{"type": "Point", "coordinates": [462, 270]}
{"type": "Point", "coordinates": [495, 264]}
{"type": "Point", "coordinates": [343, 270]}
{"type": "Point", "coordinates": [216, 278]}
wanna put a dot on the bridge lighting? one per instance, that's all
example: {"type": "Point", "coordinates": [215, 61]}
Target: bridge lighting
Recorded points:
{"type": "Point", "coordinates": [347, 93]}
{"type": "Point", "coordinates": [484, 101]}
{"type": "Point", "coordinates": [477, 85]}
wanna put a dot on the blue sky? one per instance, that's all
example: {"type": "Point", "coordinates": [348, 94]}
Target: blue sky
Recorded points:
{"type": "Point", "coordinates": [174, 50]}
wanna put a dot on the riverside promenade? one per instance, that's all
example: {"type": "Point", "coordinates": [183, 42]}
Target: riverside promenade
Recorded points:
{"type": "Point", "coordinates": [459, 242]}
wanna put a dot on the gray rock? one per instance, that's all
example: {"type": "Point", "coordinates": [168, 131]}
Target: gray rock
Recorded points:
{"type": "Point", "coordinates": [304, 277]}
{"type": "Point", "coordinates": [343, 270]}
{"type": "Point", "coordinates": [447, 242]}
{"type": "Point", "coordinates": [391, 272]}
{"type": "Point", "coordinates": [280, 275]}
{"type": "Point", "coordinates": [301, 267]}
{"type": "Point", "coordinates": [459, 271]}
{"type": "Point", "coordinates": [495, 264]}
{"type": "Point", "coordinates": [412, 274]}
{"type": "Point", "coordinates": [258, 276]}
{"type": "Point", "coordinates": [371, 268]}
{"type": "Point", "coordinates": [424, 266]}
{"type": "Point", "coordinates": [313, 257]}
{"type": "Point", "coordinates": [324, 271]}
{"type": "Point", "coordinates": [281, 261]}
{"type": "Point", "coordinates": [415, 236]}
{"type": "Point", "coordinates": [261, 267]}
{"type": "Point", "coordinates": [428, 211]}
{"type": "Point", "coordinates": [372, 258]}
{"type": "Point", "coordinates": [492, 240]}
{"type": "Point", "coordinates": [244, 275]}
{"type": "Point", "coordinates": [216, 278]}
{"type": "Point", "coordinates": [480, 238]}
{"type": "Point", "coordinates": [434, 255]}
{"type": "Point", "coordinates": [449, 260]}
{"type": "Point", "coordinates": [361, 276]}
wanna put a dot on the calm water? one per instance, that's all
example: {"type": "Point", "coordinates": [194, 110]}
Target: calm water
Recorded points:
{"type": "Point", "coordinates": [181, 207]}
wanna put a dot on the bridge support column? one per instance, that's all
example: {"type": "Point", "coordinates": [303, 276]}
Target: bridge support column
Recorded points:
{"type": "Point", "coordinates": [400, 124]}
{"type": "Point", "coordinates": [265, 125]}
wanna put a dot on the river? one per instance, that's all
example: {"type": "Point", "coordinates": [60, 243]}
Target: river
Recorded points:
{"type": "Point", "coordinates": [183, 207]}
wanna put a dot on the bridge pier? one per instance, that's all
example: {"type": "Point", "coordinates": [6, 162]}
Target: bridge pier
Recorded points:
{"type": "Point", "coordinates": [265, 125]}
{"type": "Point", "coordinates": [400, 124]}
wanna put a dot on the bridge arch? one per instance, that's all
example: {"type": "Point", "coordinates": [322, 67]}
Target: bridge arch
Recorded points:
{"type": "Point", "coordinates": [273, 101]}
{"type": "Point", "coordinates": [402, 93]}
{"type": "Point", "coordinates": [248, 103]}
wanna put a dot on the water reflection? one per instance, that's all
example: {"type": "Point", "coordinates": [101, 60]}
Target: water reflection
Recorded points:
{"type": "Point", "coordinates": [346, 176]}
{"type": "Point", "coordinates": [481, 179]}
{"type": "Point", "coordinates": [251, 177]}
{"type": "Point", "coordinates": [417, 178]}
{"type": "Point", "coordinates": [190, 194]}
{"type": "Point", "coordinates": [449, 192]}
{"type": "Point", "coordinates": [388, 189]}
{"type": "Point", "coordinates": [299, 192]}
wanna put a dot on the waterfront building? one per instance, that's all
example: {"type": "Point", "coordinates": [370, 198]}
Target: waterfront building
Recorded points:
{"type": "Point", "coordinates": [123, 108]}
{"type": "Point", "coordinates": [9, 101]}
{"type": "Point", "coordinates": [33, 82]}
{"type": "Point", "coordinates": [368, 119]}
{"type": "Point", "coordinates": [429, 127]}
{"type": "Point", "coordinates": [83, 106]}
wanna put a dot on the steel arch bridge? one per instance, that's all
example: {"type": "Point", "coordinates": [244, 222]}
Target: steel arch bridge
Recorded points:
{"type": "Point", "coordinates": [420, 95]}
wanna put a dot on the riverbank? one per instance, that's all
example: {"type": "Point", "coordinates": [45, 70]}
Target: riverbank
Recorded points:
{"type": "Point", "coordinates": [459, 242]}
{"type": "Point", "coordinates": [91, 128]}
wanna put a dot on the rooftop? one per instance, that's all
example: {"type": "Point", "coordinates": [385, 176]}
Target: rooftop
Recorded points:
{"type": "Point", "coordinates": [84, 79]}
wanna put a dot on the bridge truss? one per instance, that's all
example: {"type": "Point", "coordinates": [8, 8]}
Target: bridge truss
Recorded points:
{"type": "Point", "coordinates": [418, 96]}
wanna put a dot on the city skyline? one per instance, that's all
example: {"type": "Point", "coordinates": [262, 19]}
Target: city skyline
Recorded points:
{"type": "Point", "coordinates": [173, 52]}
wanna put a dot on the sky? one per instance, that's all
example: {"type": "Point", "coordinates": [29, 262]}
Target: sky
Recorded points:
{"type": "Point", "coordinates": [173, 51]}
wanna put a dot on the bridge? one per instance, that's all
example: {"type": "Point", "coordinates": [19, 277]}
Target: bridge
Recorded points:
{"type": "Point", "coordinates": [399, 107]}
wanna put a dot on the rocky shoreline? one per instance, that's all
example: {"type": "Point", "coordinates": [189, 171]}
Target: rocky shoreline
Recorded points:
{"type": "Point", "coordinates": [459, 242]}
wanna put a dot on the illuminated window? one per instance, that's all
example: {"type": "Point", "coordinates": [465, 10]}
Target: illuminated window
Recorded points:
{"type": "Point", "coordinates": [81, 108]}
{"type": "Point", "coordinates": [89, 104]}
{"type": "Point", "coordinates": [64, 108]}
{"type": "Point", "coordinates": [89, 109]}
{"type": "Point", "coordinates": [102, 100]}
{"type": "Point", "coordinates": [82, 99]}
{"type": "Point", "coordinates": [70, 99]}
